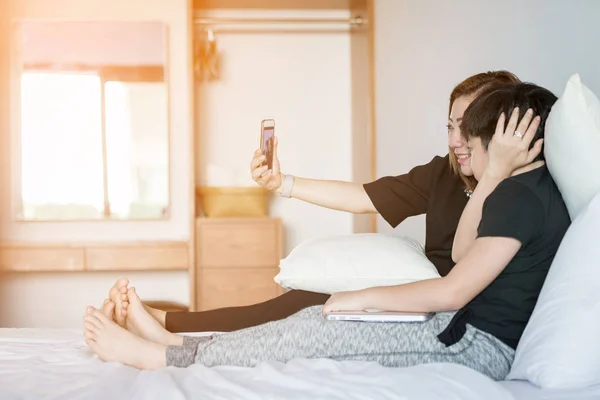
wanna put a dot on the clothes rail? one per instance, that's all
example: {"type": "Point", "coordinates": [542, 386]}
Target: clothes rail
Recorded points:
{"type": "Point", "coordinates": [355, 21]}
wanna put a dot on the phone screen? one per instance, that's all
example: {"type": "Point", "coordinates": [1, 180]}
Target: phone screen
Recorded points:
{"type": "Point", "coordinates": [267, 144]}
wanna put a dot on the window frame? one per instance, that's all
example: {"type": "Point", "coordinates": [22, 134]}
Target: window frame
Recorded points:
{"type": "Point", "coordinates": [106, 73]}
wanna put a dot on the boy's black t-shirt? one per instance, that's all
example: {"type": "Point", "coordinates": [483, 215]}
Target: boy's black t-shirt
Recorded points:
{"type": "Point", "coordinates": [529, 208]}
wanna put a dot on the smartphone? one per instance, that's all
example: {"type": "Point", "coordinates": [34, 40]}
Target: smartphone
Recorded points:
{"type": "Point", "coordinates": [267, 137]}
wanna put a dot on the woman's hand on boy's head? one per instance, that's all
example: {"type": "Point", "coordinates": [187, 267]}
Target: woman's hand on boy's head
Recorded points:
{"type": "Point", "coordinates": [509, 148]}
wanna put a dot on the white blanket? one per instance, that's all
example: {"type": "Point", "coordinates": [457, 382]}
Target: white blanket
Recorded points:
{"type": "Point", "coordinates": [56, 364]}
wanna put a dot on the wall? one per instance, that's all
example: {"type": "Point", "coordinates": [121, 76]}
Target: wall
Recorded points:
{"type": "Point", "coordinates": [300, 76]}
{"type": "Point", "coordinates": [361, 65]}
{"type": "Point", "coordinates": [117, 43]}
{"type": "Point", "coordinates": [4, 127]}
{"type": "Point", "coordinates": [177, 227]}
{"type": "Point", "coordinates": [424, 48]}
{"type": "Point", "coordinates": [58, 300]}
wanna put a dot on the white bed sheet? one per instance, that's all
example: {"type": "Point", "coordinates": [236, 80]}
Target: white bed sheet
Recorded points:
{"type": "Point", "coordinates": [526, 391]}
{"type": "Point", "coordinates": [56, 364]}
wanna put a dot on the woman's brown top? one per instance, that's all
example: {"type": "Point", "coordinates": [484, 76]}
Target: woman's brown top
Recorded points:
{"type": "Point", "coordinates": [432, 189]}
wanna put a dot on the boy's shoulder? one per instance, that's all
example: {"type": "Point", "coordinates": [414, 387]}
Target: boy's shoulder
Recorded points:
{"type": "Point", "coordinates": [535, 185]}
{"type": "Point", "coordinates": [525, 207]}
{"type": "Point", "coordinates": [529, 198]}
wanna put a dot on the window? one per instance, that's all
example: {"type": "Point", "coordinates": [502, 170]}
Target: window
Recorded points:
{"type": "Point", "coordinates": [61, 146]}
{"type": "Point", "coordinates": [93, 142]}
{"type": "Point", "coordinates": [80, 160]}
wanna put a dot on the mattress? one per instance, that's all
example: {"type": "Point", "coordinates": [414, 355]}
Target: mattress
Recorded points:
{"type": "Point", "coordinates": [56, 364]}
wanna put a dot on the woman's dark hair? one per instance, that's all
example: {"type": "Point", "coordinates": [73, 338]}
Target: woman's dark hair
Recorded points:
{"type": "Point", "coordinates": [481, 117]}
{"type": "Point", "coordinates": [472, 87]}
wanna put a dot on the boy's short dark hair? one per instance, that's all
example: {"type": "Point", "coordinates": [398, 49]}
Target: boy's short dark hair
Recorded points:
{"type": "Point", "coordinates": [481, 117]}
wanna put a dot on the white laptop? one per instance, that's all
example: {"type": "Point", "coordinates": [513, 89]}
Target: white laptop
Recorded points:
{"type": "Point", "coordinates": [379, 316]}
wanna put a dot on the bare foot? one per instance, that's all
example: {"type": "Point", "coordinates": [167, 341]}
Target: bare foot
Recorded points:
{"type": "Point", "coordinates": [118, 295]}
{"type": "Point", "coordinates": [140, 322]}
{"type": "Point", "coordinates": [114, 344]}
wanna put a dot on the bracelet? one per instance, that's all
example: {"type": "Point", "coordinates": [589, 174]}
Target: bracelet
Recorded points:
{"type": "Point", "coordinates": [287, 185]}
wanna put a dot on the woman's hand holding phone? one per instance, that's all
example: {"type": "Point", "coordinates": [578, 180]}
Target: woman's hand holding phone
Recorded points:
{"type": "Point", "coordinates": [269, 179]}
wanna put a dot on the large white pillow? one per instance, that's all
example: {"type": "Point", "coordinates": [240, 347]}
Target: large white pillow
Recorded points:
{"type": "Point", "coordinates": [559, 348]}
{"type": "Point", "coordinates": [572, 145]}
{"type": "Point", "coordinates": [354, 262]}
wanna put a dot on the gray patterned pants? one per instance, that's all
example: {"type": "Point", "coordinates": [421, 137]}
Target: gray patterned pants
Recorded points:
{"type": "Point", "coordinates": [307, 334]}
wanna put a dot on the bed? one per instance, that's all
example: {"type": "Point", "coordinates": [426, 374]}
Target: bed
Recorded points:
{"type": "Point", "coordinates": [56, 364]}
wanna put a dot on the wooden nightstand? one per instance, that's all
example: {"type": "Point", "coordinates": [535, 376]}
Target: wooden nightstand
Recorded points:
{"type": "Point", "coordinates": [236, 261]}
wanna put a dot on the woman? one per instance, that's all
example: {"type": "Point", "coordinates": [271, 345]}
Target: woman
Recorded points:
{"type": "Point", "coordinates": [494, 285]}
{"type": "Point", "coordinates": [439, 189]}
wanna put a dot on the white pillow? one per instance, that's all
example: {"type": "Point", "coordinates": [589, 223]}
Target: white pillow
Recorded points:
{"type": "Point", "coordinates": [572, 145]}
{"type": "Point", "coordinates": [354, 262]}
{"type": "Point", "coordinates": [559, 348]}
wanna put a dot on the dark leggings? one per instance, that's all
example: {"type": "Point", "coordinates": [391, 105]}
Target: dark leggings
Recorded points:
{"type": "Point", "coordinates": [235, 318]}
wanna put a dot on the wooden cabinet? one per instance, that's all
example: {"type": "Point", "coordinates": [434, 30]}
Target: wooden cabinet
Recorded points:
{"type": "Point", "coordinates": [236, 261]}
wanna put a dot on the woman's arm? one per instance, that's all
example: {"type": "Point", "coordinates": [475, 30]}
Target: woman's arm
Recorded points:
{"type": "Point", "coordinates": [395, 198]}
{"type": "Point", "coordinates": [466, 232]}
{"type": "Point", "coordinates": [337, 195]}
{"type": "Point", "coordinates": [485, 261]}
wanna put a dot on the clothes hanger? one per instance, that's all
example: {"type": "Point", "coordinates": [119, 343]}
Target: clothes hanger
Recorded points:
{"type": "Point", "coordinates": [212, 55]}
{"type": "Point", "coordinates": [206, 57]}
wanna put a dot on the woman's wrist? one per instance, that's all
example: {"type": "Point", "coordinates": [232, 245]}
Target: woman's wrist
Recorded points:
{"type": "Point", "coordinates": [278, 190]}
{"type": "Point", "coordinates": [366, 298]}
{"type": "Point", "coordinates": [497, 174]}
{"type": "Point", "coordinates": [287, 185]}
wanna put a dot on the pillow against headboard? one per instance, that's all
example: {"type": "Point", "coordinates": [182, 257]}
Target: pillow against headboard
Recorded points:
{"type": "Point", "coordinates": [572, 145]}
{"type": "Point", "coordinates": [354, 262]}
{"type": "Point", "coordinates": [559, 347]}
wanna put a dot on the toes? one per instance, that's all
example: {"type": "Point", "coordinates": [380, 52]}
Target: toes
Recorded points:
{"type": "Point", "coordinates": [90, 342]}
{"type": "Point", "coordinates": [119, 315]}
{"type": "Point", "coordinates": [93, 345]}
{"type": "Point", "coordinates": [121, 284]}
{"type": "Point", "coordinates": [124, 306]}
{"type": "Point", "coordinates": [133, 297]}
{"type": "Point", "coordinates": [108, 309]}
{"type": "Point", "coordinates": [93, 320]}
{"type": "Point", "coordinates": [119, 287]}
{"type": "Point", "coordinates": [89, 330]}
{"type": "Point", "coordinates": [113, 292]}
{"type": "Point", "coordinates": [100, 316]}
{"type": "Point", "coordinates": [88, 327]}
